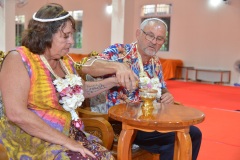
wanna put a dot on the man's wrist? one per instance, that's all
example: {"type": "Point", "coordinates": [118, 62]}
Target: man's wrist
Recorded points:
{"type": "Point", "coordinates": [164, 90]}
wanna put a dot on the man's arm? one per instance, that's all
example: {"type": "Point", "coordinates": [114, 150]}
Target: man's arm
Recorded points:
{"type": "Point", "coordinates": [125, 76]}
{"type": "Point", "coordinates": [100, 67]}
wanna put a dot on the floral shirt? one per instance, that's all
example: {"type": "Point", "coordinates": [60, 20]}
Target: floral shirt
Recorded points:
{"type": "Point", "coordinates": [127, 54]}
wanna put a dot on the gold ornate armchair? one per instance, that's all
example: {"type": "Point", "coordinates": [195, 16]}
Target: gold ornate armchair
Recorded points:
{"type": "Point", "coordinates": [1, 56]}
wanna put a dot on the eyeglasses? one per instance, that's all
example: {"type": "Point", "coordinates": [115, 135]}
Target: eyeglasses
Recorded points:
{"type": "Point", "coordinates": [151, 37]}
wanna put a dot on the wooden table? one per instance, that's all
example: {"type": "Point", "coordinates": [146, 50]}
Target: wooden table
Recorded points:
{"type": "Point", "coordinates": [164, 118]}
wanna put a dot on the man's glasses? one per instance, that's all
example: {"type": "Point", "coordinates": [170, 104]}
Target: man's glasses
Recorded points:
{"type": "Point", "coordinates": [151, 37]}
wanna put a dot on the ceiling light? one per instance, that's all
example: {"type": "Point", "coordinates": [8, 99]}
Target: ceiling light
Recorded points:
{"type": "Point", "coordinates": [109, 9]}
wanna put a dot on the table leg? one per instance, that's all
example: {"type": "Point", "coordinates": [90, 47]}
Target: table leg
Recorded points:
{"type": "Point", "coordinates": [124, 144]}
{"type": "Point", "coordinates": [229, 76]}
{"type": "Point", "coordinates": [186, 74]}
{"type": "Point", "coordinates": [183, 145]}
{"type": "Point", "coordinates": [221, 81]}
{"type": "Point", "coordinates": [196, 75]}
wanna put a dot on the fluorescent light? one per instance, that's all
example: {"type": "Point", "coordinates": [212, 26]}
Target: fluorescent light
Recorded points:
{"type": "Point", "coordinates": [215, 3]}
{"type": "Point", "coordinates": [109, 9]}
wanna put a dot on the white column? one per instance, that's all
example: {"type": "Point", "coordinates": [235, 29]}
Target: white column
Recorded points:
{"type": "Point", "coordinates": [7, 27]}
{"type": "Point", "coordinates": [117, 27]}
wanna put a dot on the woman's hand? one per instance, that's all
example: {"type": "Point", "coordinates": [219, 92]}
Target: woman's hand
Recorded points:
{"type": "Point", "coordinates": [78, 147]}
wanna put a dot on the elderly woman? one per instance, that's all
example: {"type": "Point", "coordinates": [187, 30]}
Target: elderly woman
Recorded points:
{"type": "Point", "coordinates": [40, 91]}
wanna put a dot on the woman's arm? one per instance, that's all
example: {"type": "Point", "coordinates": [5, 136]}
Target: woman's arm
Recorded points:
{"type": "Point", "coordinates": [15, 85]}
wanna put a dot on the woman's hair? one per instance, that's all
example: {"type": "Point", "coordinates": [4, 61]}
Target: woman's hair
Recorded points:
{"type": "Point", "coordinates": [38, 36]}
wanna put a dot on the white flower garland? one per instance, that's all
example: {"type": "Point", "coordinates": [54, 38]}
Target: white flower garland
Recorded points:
{"type": "Point", "coordinates": [69, 88]}
{"type": "Point", "coordinates": [145, 81]}
{"type": "Point", "coordinates": [71, 93]}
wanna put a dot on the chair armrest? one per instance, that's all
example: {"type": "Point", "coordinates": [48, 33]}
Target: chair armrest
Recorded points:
{"type": "Point", "coordinates": [3, 153]}
{"type": "Point", "coordinates": [83, 113]}
{"type": "Point", "coordinates": [101, 128]}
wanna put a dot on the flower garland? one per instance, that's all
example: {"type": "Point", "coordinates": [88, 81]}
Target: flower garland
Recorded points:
{"type": "Point", "coordinates": [145, 81]}
{"type": "Point", "coordinates": [70, 91]}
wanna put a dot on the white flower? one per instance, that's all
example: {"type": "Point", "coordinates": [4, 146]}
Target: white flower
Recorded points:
{"type": "Point", "coordinates": [74, 115]}
{"type": "Point", "coordinates": [144, 80]}
{"type": "Point", "coordinates": [73, 79]}
{"type": "Point", "coordinates": [155, 80]}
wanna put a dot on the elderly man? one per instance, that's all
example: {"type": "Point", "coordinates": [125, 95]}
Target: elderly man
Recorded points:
{"type": "Point", "coordinates": [137, 63]}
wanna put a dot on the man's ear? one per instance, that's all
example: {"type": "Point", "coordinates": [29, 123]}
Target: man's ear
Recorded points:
{"type": "Point", "coordinates": [138, 33]}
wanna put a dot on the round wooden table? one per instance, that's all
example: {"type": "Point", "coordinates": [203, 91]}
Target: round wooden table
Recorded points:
{"type": "Point", "coordinates": [163, 118]}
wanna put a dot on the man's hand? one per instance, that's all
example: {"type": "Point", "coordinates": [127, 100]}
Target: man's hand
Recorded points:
{"type": "Point", "coordinates": [167, 98]}
{"type": "Point", "coordinates": [126, 77]}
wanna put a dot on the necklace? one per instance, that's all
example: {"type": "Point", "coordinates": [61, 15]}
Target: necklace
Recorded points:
{"type": "Point", "coordinates": [145, 81]}
{"type": "Point", "coordinates": [44, 60]}
{"type": "Point", "coordinates": [70, 91]}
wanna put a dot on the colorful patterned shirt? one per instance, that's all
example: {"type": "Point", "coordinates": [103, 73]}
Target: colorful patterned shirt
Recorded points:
{"type": "Point", "coordinates": [127, 54]}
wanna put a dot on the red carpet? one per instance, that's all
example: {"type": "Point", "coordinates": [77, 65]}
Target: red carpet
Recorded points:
{"type": "Point", "coordinates": [208, 95]}
{"type": "Point", "coordinates": [221, 128]}
{"type": "Point", "coordinates": [221, 140]}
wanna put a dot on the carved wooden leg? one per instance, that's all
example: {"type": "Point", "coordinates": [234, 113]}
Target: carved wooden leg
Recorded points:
{"type": "Point", "coordinates": [183, 145]}
{"type": "Point", "coordinates": [124, 144]}
{"type": "Point", "coordinates": [176, 147]}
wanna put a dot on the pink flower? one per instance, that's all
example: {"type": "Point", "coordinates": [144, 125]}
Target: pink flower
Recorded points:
{"type": "Point", "coordinates": [66, 91]}
{"type": "Point", "coordinates": [70, 91]}
{"type": "Point", "coordinates": [77, 89]}
{"type": "Point", "coordinates": [149, 85]}
{"type": "Point", "coordinates": [78, 124]}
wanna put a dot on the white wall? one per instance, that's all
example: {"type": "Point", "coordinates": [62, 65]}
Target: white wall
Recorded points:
{"type": "Point", "coordinates": [7, 21]}
{"type": "Point", "coordinates": [201, 36]}
{"type": "Point", "coordinates": [96, 22]}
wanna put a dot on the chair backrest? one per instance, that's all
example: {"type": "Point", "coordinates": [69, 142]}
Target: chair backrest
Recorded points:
{"type": "Point", "coordinates": [1, 56]}
{"type": "Point", "coordinates": [98, 103]}
{"type": "Point", "coordinates": [1, 106]}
